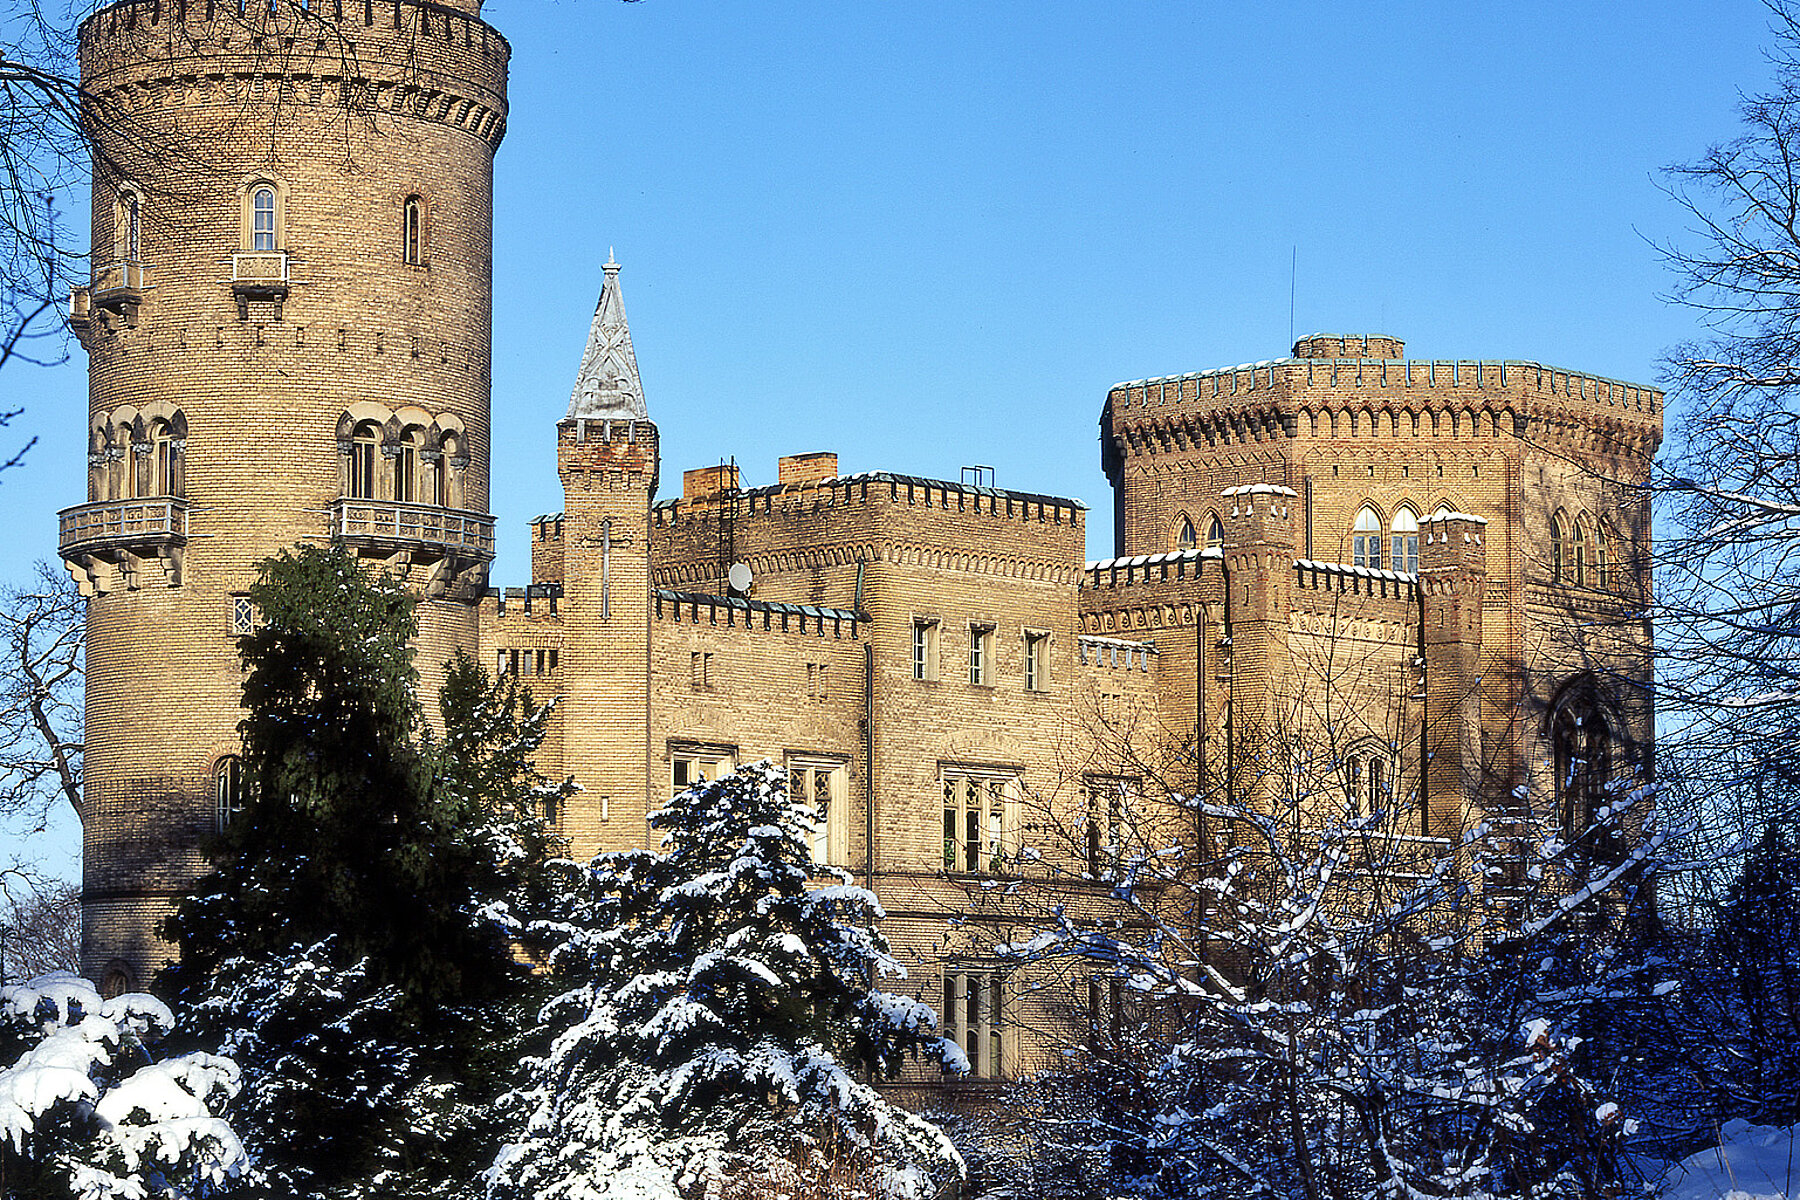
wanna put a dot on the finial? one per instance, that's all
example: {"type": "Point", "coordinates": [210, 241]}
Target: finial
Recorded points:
{"type": "Point", "coordinates": [611, 264]}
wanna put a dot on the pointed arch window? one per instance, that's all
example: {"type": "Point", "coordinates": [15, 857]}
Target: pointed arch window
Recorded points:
{"type": "Point", "coordinates": [1602, 557]}
{"type": "Point", "coordinates": [1582, 753]}
{"type": "Point", "coordinates": [1185, 539]}
{"type": "Point", "coordinates": [449, 479]}
{"type": "Point", "coordinates": [1580, 557]}
{"type": "Point", "coordinates": [1404, 544]}
{"type": "Point", "coordinates": [1215, 532]}
{"type": "Point", "coordinates": [1558, 552]}
{"type": "Point", "coordinates": [1365, 539]}
{"type": "Point", "coordinates": [165, 460]}
{"type": "Point", "coordinates": [228, 791]}
{"type": "Point", "coordinates": [132, 234]}
{"type": "Point", "coordinates": [364, 444]}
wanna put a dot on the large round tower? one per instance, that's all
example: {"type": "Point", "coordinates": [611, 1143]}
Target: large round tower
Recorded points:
{"type": "Point", "coordinates": [288, 339]}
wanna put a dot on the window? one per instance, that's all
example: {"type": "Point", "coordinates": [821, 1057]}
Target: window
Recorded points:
{"type": "Point", "coordinates": [1184, 539]}
{"type": "Point", "coordinates": [445, 484]}
{"type": "Point", "coordinates": [141, 473]}
{"type": "Point", "coordinates": [262, 218]}
{"type": "Point", "coordinates": [165, 455]}
{"type": "Point", "coordinates": [816, 686]}
{"type": "Point", "coordinates": [975, 1018]}
{"type": "Point", "coordinates": [1353, 784]}
{"type": "Point", "coordinates": [981, 654]}
{"type": "Point", "coordinates": [924, 650]}
{"type": "Point", "coordinates": [406, 466]}
{"type": "Point", "coordinates": [1110, 800]}
{"type": "Point", "coordinates": [1365, 784]}
{"type": "Point", "coordinates": [700, 673]}
{"type": "Point", "coordinates": [412, 231]}
{"type": "Point", "coordinates": [1602, 557]}
{"type": "Point", "coordinates": [1215, 533]}
{"type": "Point", "coordinates": [1557, 552]}
{"type": "Point", "coordinates": [1365, 540]}
{"type": "Point", "coordinates": [1582, 757]}
{"type": "Point", "coordinates": [1580, 556]}
{"type": "Point", "coordinates": [979, 813]}
{"type": "Point", "coordinates": [243, 616]}
{"type": "Point", "coordinates": [228, 791]}
{"type": "Point", "coordinates": [821, 783]}
{"type": "Point", "coordinates": [697, 765]}
{"type": "Point", "coordinates": [132, 214]}
{"type": "Point", "coordinates": [363, 445]}
{"type": "Point", "coordinates": [116, 981]}
{"type": "Point", "coordinates": [1035, 644]}
{"type": "Point", "coordinates": [1405, 542]}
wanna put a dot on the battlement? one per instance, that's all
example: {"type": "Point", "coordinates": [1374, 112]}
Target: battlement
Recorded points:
{"type": "Point", "coordinates": [1341, 345]}
{"type": "Point", "coordinates": [1118, 653]}
{"type": "Point", "coordinates": [1147, 568]}
{"type": "Point", "coordinates": [429, 60]}
{"type": "Point", "coordinates": [869, 487]}
{"type": "Point", "coordinates": [766, 616]}
{"type": "Point", "coordinates": [1356, 581]}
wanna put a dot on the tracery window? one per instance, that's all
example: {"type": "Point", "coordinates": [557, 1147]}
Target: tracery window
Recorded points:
{"type": "Point", "coordinates": [1582, 754]}
{"type": "Point", "coordinates": [1365, 539]}
{"type": "Point", "coordinates": [1405, 542]}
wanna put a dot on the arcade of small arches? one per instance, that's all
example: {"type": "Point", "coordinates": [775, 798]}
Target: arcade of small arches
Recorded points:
{"type": "Point", "coordinates": [409, 457]}
{"type": "Point", "coordinates": [134, 454]}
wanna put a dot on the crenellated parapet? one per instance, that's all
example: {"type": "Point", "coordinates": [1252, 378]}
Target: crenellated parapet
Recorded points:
{"type": "Point", "coordinates": [428, 61]}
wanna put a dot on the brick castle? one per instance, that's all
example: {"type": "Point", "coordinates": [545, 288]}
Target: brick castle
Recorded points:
{"type": "Point", "coordinates": [1426, 575]}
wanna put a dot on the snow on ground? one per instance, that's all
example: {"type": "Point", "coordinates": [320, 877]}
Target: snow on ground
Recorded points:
{"type": "Point", "coordinates": [1751, 1162]}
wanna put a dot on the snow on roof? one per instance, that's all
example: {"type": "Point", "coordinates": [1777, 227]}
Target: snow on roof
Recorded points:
{"type": "Point", "coordinates": [1145, 560]}
{"type": "Point", "coordinates": [1445, 515]}
{"type": "Point", "coordinates": [1360, 572]}
{"type": "Point", "coordinates": [1258, 489]}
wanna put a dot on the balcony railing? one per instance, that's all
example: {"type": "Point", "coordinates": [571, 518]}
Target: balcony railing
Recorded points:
{"type": "Point", "coordinates": [152, 521]}
{"type": "Point", "coordinates": [391, 523]}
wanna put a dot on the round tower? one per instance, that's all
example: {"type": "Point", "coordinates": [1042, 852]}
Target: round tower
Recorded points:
{"type": "Point", "coordinates": [287, 330]}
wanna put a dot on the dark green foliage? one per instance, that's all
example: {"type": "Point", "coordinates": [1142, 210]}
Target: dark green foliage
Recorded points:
{"type": "Point", "coordinates": [353, 943]}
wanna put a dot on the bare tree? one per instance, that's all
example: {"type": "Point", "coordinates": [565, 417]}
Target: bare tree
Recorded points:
{"type": "Point", "coordinates": [40, 930]}
{"type": "Point", "coordinates": [41, 636]}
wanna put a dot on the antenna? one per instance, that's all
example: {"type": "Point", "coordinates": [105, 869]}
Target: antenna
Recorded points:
{"type": "Point", "coordinates": [1293, 277]}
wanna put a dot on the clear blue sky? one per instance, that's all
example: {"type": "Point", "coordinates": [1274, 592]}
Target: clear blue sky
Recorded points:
{"type": "Point", "coordinates": [924, 235]}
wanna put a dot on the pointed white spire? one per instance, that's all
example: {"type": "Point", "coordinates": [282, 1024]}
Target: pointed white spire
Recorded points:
{"type": "Point", "coordinates": [607, 386]}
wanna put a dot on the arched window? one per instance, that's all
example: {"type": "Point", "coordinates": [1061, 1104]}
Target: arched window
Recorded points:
{"type": "Point", "coordinates": [1556, 549]}
{"type": "Point", "coordinates": [115, 981]}
{"type": "Point", "coordinates": [1405, 542]}
{"type": "Point", "coordinates": [448, 489]}
{"type": "Point", "coordinates": [406, 467]}
{"type": "Point", "coordinates": [165, 456]}
{"type": "Point", "coordinates": [1184, 538]}
{"type": "Point", "coordinates": [1581, 747]}
{"type": "Point", "coordinates": [1602, 557]}
{"type": "Point", "coordinates": [1215, 533]}
{"type": "Point", "coordinates": [1365, 540]}
{"type": "Point", "coordinates": [132, 216]}
{"type": "Point", "coordinates": [262, 218]}
{"type": "Point", "coordinates": [1580, 556]}
{"type": "Point", "coordinates": [412, 231]}
{"type": "Point", "coordinates": [228, 791]}
{"type": "Point", "coordinates": [364, 445]}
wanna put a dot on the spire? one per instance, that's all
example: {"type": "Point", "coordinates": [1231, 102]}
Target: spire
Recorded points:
{"type": "Point", "coordinates": [607, 385]}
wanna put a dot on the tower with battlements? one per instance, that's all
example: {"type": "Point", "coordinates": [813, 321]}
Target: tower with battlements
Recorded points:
{"type": "Point", "coordinates": [287, 330]}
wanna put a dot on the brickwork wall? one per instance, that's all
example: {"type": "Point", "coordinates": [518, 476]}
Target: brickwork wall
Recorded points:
{"type": "Point", "coordinates": [263, 97]}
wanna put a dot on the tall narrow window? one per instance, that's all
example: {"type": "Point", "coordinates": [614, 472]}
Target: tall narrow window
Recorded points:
{"type": "Point", "coordinates": [1602, 557]}
{"type": "Point", "coordinates": [1405, 542]}
{"type": "Point", "coordinates": [412, 231]}
{"type": "Point", "coordinates": [406, 468]}
{"type": "Point", "coordinates": [167, 460]}
{"type": "Point", "coordinates": [1034, 661]}
{"type": "Point", "coordinates": [134, 229]}
{"type": "Point", "coordinates": [820, 784]}
{"type": "Point", "coordinates": [1556, 550]}
{"type": "Point", "coordinates": [1581, 551]}
{"type": "Point", "coordinates": [364, 446]}
{"type": "Point", "coordinates": [451, 452]}
{"type": "Point", "coordinates": [1215, 533]}
{"type": "Point", "coordinates": [924, 650]}
{"type": "Point", "coordinates": [1184, 539]}
{"type": "Point", "coordinates": [1365, 539]}
{"type": "Point", "coordinates": [974, 1018]}
{"type": "Point", "coordinates": [228, 791]}
{"type": "Point", "coordinates": [981, 653]}
{"type": "Point", "coordinates": [262, 219]}
{"type": "Point", "coordinates": [1353, 785]}
{"type": "Point", "coordinates": [1110, 800]}
{"type": "Point", "coordinates": [1582, 756]}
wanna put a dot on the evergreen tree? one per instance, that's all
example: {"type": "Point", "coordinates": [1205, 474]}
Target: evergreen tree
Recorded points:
{"type": "Point", "coordinates": [356, 933]}
{"type": "Point", "coordinates": [718, 1004]}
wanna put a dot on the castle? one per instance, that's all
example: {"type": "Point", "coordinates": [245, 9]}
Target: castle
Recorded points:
{"type": "Point", "coordinates": [288, 339]}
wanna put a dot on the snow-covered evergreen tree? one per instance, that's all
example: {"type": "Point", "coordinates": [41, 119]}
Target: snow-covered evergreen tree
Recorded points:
{"type": "Point", "coordinates": [88, 1113]}
{"type": "Point", "coordinates": [353, 944]}
{"type": "Point", "coordinates": [721, 1022]}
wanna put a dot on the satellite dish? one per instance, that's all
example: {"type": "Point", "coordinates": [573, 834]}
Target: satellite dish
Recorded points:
{"type": "Point", "coordinates": [738, 578]}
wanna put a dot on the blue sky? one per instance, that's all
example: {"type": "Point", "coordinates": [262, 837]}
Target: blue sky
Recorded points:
{"type": "Point", "coordinates": [925, 235]}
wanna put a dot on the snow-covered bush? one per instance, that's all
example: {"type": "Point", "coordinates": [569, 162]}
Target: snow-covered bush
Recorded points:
{"type": "Point", "coordinates": [720, 1004]}
{"type": "Point", "coordinates": [1334, 1007]}
{"type": "Point", "coordinates": [87, 1112]}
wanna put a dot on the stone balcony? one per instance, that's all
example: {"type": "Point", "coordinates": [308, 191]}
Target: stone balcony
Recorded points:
{"type": "Point", "coordinates": [127, 544]}
{"type": "Point", "coordinates": [448, 549]}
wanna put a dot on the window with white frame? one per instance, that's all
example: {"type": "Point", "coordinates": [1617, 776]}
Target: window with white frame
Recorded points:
{"type": "Point", "coordinates": [691, 765]}
{"type": "Point", "coordinates": [980, 815]}
{"type": "Point", "coordinates": [822, 784]}
{"type": "Point", "coordinates": [228, 791]}
{"type": "Point", "coordinates": [263, 232]}
{"type": "Point", "coordinates": [981, 654]}
{"type": "Point", "coordinates": [924, 649]}
{"type": "Point", "coordinates": [1110, 801]}
{"type": "Point", "coordinates": [1365, 539]}
{"type": "Point", "coordinates": [975, 1018]}
{"type": "Point", "coordinates": [1036, 661]}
